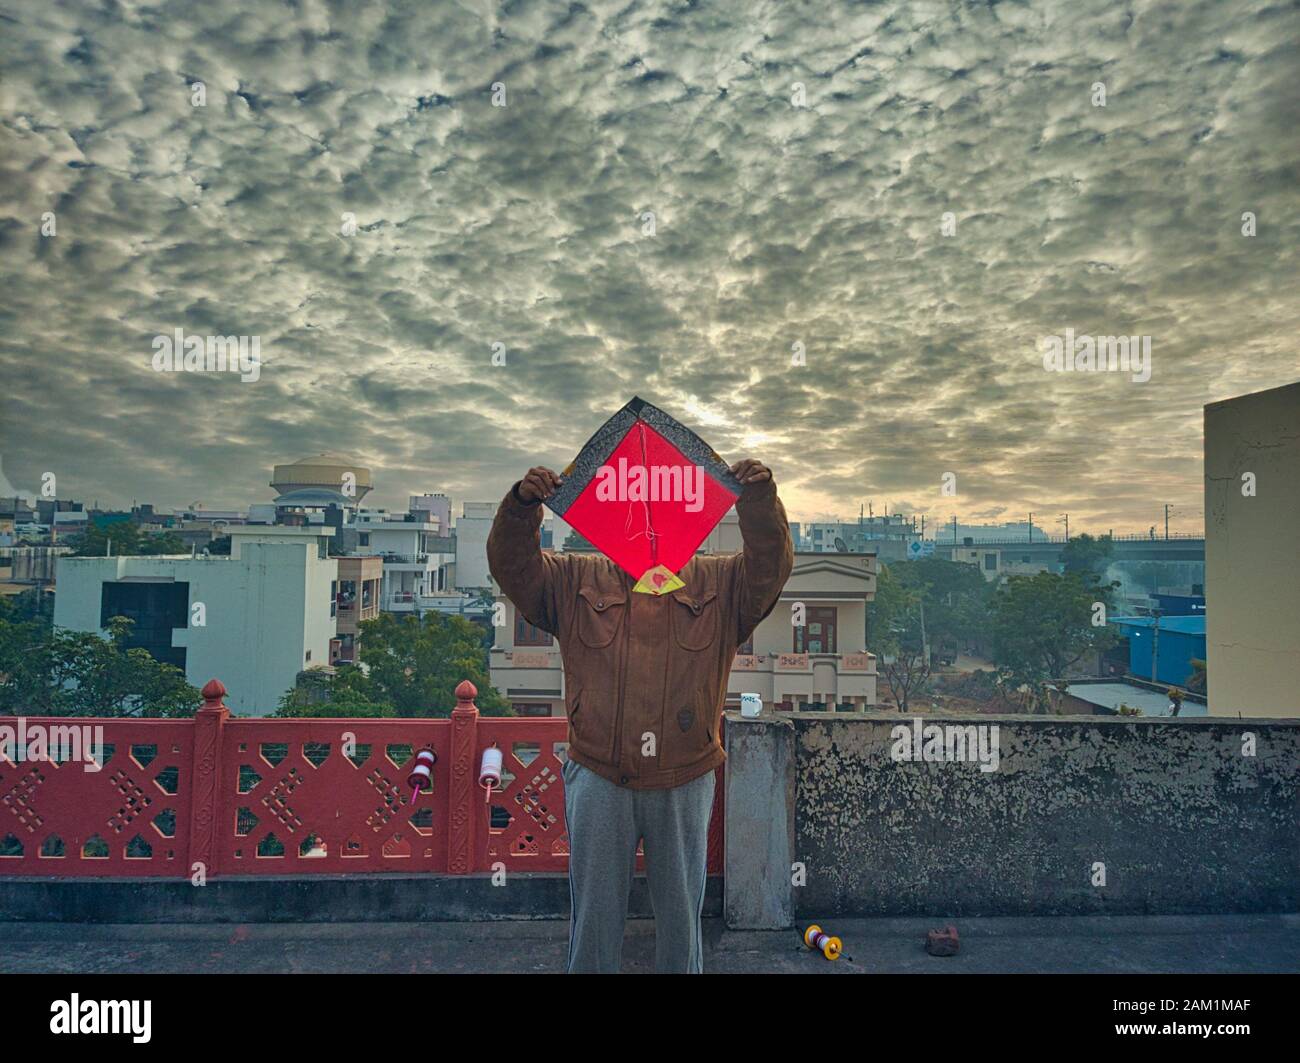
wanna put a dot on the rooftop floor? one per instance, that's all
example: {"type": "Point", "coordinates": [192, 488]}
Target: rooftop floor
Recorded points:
{"type": "Point", "coordinates": [1081, 944]}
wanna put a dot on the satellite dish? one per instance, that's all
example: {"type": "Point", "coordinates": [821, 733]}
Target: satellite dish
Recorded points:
{"type": "Point", "coordinates": [840, 548]}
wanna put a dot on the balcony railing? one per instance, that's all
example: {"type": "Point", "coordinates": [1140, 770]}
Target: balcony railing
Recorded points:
{"type": "Point", "coordinates": [803, 662]}
{"type": "Point", "coordinates": [218, 795]}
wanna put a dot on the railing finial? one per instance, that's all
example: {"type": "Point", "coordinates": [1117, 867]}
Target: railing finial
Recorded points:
{"type": "Point", "coordinates": [213, 691]}
{"type": "Point", "coordinates": [466, 692]}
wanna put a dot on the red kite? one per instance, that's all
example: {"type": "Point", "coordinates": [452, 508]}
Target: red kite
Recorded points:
{"type": "Point", "coordinates": [645, 490]}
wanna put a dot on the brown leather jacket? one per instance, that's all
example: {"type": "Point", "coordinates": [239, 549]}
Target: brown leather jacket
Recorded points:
{"type": "Point", "coordinates": [641, 665]}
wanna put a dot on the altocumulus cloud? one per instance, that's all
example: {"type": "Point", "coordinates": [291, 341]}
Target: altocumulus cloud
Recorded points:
{"type": "Point", "coordinates": [525, 225]}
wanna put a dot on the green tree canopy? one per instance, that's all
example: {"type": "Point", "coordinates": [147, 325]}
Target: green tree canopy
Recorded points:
{"type": "Point", "coordinates": [127, 538]}
{"type": "Point", "coordinates": [1043, 625]}
{"type": "Point", "coordinates": [955, 595]}
{"type": "Point", "coordinates": [897, 632]}
{"type": "Point", "coordinates": [1083, 553]}
{"type": "Point", "coordinates": [412, 665]}
{"type": "Point", "coordinates": [56, 672]}
{"type": "Point", "coordinates": [318, 694]}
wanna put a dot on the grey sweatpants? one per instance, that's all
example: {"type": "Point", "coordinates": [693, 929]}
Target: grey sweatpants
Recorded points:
{"type": "Point", "coordinates": [605, 822]}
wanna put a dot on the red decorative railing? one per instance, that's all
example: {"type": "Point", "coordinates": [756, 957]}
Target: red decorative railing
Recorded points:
{"type": "Point", "coordinates": [223, 795]}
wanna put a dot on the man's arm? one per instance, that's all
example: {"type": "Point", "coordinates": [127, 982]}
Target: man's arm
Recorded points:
{"type": "Point", "coordinates": [765, 563]}
{"type": "Point", "coordinates": [528, 577]}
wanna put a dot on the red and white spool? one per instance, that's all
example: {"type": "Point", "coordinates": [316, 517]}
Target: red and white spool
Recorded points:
{"type": "Point", "coordinates": [421, 777]}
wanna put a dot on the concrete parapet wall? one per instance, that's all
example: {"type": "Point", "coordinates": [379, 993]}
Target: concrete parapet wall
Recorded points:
{"type": "Point", "coordinates": [1177, 814]}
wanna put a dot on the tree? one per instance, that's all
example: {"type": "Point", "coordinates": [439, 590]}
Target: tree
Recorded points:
{"type": "Point", "coordinates": [956, 597]}
{"type": "Point", "coordinates": [26, 661]}
{"type": "Point", "coordinates": [414, 664]}
{"type": "Point", "coordinates": [127, 540]}
{"type": "Point", "coordinates": [1043, 626]}
{"type": "Point", "coordinates": [57, 672]}
{"type": "Point", "coordinates": [949, 599]}
{"type": "Point", "coordinates": [319, 694]}
{"type": "Point", "coordinates": [897, 633]}
{"type": "Point", "coordinates": [1083, 553]}
{"type": "Point", "coordinates": [99, 676]}
{"type": "Point", "coordinates": [33, 604]}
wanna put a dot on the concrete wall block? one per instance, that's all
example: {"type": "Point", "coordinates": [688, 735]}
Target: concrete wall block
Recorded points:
{"type": "Point", "coordinates": [760, 828]}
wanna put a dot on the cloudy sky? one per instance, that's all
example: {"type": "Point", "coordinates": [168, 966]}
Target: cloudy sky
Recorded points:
{"type": "Point", "coordinates": [673, 196]}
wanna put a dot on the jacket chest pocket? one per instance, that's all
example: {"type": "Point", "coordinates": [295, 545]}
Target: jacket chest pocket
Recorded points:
{"type": "Point", "coordinates": [599, 615]}
{"type": "Point", "coordinates": [696, 620]}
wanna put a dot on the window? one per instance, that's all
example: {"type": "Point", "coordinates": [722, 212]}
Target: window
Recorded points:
{"type": "Point", "coordinates": [818, 636]}
{"type": "Point", "coordinates": [533, 708]}
{"type": "Point", "coordinates": [990, 562]}
{"type": "Point", "coordinates": [156, 608]}
{"type": "Point", "coordinates": [363, 538]}
{"type": "Point", "coordinates": [334, 597]}
{"type": "Point", "coordinates": [528, 635]}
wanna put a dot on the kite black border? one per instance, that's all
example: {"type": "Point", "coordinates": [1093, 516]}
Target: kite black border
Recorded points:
{"type": "Point", "coordinates": [596, 451]}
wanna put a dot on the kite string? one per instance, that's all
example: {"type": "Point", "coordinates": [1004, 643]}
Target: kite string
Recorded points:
{"type": "Point", "coordinates": [649, 532]}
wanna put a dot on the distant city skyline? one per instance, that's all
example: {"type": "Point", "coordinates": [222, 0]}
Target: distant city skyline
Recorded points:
{"type": "Point", "coordinates": [855, 247]}
{"type": "Point", "coordinates": [930, 528]}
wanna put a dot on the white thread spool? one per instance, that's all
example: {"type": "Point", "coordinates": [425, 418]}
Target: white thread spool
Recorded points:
{"type": "Point", "coordinates": [489, 773]}
{"type": "Point", "coordinates": [751, 705]}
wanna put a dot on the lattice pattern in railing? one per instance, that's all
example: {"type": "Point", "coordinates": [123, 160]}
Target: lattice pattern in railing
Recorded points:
{"type": "Point", "coordinates": [132, 817]}
{"type": "Point", "coordinates": [329, 796]}
{"type": "Point", "coordinates": [248, 796]}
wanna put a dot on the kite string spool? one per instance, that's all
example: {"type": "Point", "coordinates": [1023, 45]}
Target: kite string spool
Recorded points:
{"type": "Point", "coordinates": [489, 773]}
{"type": "Point", "coordinates": [422, 773]}
{"type": "Point", "coordinates": [820, 941]}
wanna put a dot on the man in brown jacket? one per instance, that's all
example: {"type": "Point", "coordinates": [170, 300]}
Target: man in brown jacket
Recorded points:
{"type": "Point", "coordinates": [645, 681]}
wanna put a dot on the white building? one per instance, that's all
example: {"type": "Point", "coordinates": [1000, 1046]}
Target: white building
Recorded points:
{"type": "Point", "coordinates": [436, 507]}
{"type": "Point", "coordinates": [471, 546]}
{"type": "Point", "coordinates": [416, 554]}
{"type": "Point", "coordinates": [1252, 579]}
{"type": "Point", "coordinates": [253, 620]}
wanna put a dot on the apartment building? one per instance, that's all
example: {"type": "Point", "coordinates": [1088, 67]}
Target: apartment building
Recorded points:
{"type": "Point", "coordinates": [254, 619]}
{"type": "Point", "coordinates": [997, 562]}
{"type": "Point", "coordinates": [471, 546]}
{"type": "Point", "coordinates": [1252, 579]}
{"type": "Point", "coordinates": [415, 553]}
{"type": "Point", "coordinates": [359, 591]}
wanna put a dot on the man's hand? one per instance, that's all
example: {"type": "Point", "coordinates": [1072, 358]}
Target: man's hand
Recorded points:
{"type": "Point", "coordinates": [751, 471]}
{"type": "Point", "coordinates": [539, 484]}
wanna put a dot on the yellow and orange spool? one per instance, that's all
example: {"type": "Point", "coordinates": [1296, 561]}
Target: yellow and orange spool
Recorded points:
{"type": "Point", "coordinates": [819, 941]}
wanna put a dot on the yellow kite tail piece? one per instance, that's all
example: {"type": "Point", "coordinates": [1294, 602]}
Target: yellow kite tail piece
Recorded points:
{"type": "Point", "coordinates": [658, 580]}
